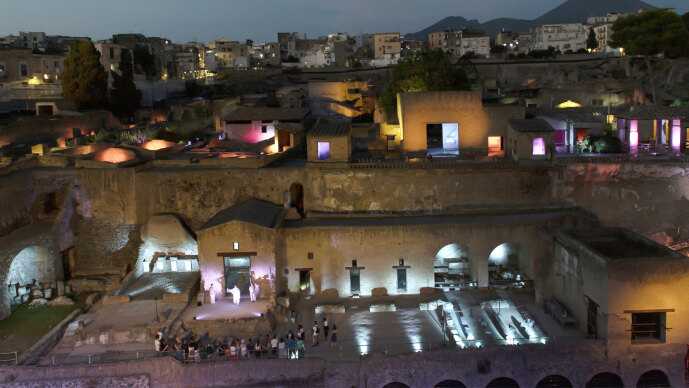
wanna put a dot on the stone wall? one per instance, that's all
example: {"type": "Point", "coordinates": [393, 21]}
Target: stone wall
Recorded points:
{"type": "Point", "coordinates": [527, 365]}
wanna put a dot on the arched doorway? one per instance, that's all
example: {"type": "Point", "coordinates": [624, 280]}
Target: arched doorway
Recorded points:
{"type": "Point", "coordinates": [395, 385]}
{"type": "Point", "coordinates": [451, 267]}
{"type": "Point", "coordinates": [296, 197]}
{"type": "Point", "coordinates": [503, 382]}
{"type": "Point", "coordinates": [31, 266]}
{"type": "Point", "coordinates": [554, 381]}
{"type": "Point", "coordinates": [605, 380]}
{"type": "Point", "coordinates": [450, 384]}
{"type": "Point", "coordinates": [503, 265]}
{"type": "Point", "coordinates": [653, 379]}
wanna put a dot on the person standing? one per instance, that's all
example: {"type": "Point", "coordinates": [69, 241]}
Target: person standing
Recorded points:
{"type": "Point", "coordinates": [274, 346]}
{"type": "Point", "coordinates": [291, 347]}
{"type": "Point", "coordinates": [314, 333]}
{"type": "Point", "coordinates": [326, 329]}
{"type": "Point", "coordinates": [333, 337]}
{"type": "Point", "coordinates": [300, 333]}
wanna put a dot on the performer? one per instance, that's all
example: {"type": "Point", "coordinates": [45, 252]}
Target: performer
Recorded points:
{"type": "Point", "coordinates": [211, 291]}
{"type": "Point", "coordinates": [252, 290]}
{"type": "Point", "coordinates": [236, 294]}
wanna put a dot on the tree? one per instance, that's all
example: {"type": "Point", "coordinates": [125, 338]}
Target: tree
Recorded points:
{"type": "Point", "coordinates": [651, 33]}
{"type": "Point", "coordinates": [685, 18]}
{"type": "Point", "coordinates": [84, 80]}
{"type": "Point", "coordinates": [592, 40]}
{"type": "Point", "coordinates": [125, 98]}
{"type": "Point", "coordinates": [420, 72]}
{"type": "Point", "coordinates": [145, 61]}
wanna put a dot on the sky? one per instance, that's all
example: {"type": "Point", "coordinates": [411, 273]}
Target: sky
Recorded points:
{"type": "Point", "coordinates": [205, 20]}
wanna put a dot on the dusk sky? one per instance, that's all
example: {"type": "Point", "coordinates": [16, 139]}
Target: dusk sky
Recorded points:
{"type": "Point", "coordinates": [204, 20]}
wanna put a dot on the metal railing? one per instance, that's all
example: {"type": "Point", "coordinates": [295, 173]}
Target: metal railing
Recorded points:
{"type": "Point", "coordinates": [9, 359]}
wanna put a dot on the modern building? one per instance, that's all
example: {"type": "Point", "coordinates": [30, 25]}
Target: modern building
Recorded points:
{"type": "Point", "coordinates": [386, 48]}
{"type": "Point", "coordinates": [568, 37]}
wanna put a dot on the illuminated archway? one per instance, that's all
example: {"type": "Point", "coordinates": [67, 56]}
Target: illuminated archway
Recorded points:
{"type": "Point", "coordinates": [451, 266]}
{"type": "Point", "coordinates": [554, 381]}
{"type": "Point", "coordinates": [653, 379]}
{"type": "Point", "coordinates": [605, 380]}
{"type": "Point", "coordinates": [503, 265]}
{"type": "Point", "coordinates": [503, 382]}
{"type": "Point", "coordinates": [450, 384]}
{"type": "Point", "coordinates": [32, 265]}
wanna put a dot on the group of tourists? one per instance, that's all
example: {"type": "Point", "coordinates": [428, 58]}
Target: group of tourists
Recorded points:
{"type": "Point", "coordinates": [192, 348]}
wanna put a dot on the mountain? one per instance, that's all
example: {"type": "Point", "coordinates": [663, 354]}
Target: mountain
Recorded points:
{"type": "Point", "coordinates": [571, 11]}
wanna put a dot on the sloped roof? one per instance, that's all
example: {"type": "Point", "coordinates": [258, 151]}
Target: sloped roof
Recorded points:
{"type": "Point", "coordinates": [262, 113]}
{"type": "Point", "coordinates": [329, 127]}
{"type": "Point", "coordinates": [530, 125]}
{"type": "Point", "coordinates": [252, 211]}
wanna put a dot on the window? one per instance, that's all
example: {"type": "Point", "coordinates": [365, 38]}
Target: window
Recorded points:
{"type": "Point", "coordinates": [323, 150]}
{"type": "Point", "coordinates": [23, 70]}
{"type": "Point", "coordinates": [235, 245]}
{"type": "Point", "coordinates": [648, 327]}
{"type": "Point", "coordinates": [494, 143]}
{"type": "Point", "coordinates": [538, 147]}
{"type": "Point", "coordinates": [310, 256]}
{"type": "Point", "coordinates": [264, 129]}
{"type": "Point", "coordinates": [112, 53]}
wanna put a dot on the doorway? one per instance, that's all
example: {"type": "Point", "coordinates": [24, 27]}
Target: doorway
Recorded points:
{"type": "Point", "coordinates": [401, 279]}
{"type": "Point", "coordinates": [442, 139]}
{"type": "Point", "coordinates": [296, 196]}
{"type": "Point", "coordinates": [238, 272]}
{"type": "Point", "coordinates": [592, 321]}
{"type": "Point", "coordinates": [355, 281]}
{"type": "Point", "coordinates": [305, 281]}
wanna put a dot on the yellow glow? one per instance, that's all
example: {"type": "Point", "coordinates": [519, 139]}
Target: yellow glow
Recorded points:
{"type": "Point", "coordinates": [115, 155]}
{"type": "Point", "coordinates": [34, 81]}
{"type": "Point", "coordinates": [611, 119]}
{"type": "Point", "coordinates": [569, 104]}
{"type": "Point", "coordinates": [156, 145]}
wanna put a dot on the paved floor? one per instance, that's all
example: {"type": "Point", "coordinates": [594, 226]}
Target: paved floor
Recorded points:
{"type": "Point", "coordinates": [153, 285]}
{"type": "Point", "coordinates": [225, 309]}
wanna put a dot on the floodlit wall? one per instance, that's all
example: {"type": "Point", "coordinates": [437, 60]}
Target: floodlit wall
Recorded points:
{"type": "Point", "coordinates": [251, 239]}
{"type": "Point", "coordinates": [251, 133]}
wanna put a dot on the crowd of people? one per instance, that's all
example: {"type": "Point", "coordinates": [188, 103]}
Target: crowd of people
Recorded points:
{"type": "Point", "coordinates": [292, 345]}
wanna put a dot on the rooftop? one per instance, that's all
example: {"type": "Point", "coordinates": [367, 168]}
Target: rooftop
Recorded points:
{"type": "Point", "coordinates": [618, 244]}
{"type": "Point", "coordinates": [530, 125]}
{"type": "Point", "coordinates": [253, 211]}
{"type": "Point", "coordinates": [327, 127]}
{"type": "Point", "coordinates": [245, 113]}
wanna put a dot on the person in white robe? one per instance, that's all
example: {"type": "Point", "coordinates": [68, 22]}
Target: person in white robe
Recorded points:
{"type": "Point", "coordinates": [211, 291]}
{"type": "Point", "coordinates": [236, 294]}
{"type": "Point", "coordinates": [252, 290]}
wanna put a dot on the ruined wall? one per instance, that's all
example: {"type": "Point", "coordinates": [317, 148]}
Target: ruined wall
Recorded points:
{"type": "Point", "coordinates": [649, 198]}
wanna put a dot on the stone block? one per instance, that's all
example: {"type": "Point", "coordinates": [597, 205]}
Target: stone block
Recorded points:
{"type": "Point", "coordinates": [176, 298]}
{"type": "Point", "coordinates": [60, 288]}
{"type": "Point", "coordinates": [116, 299]}
{"type": "Point", "coordinates": [379, 308]}
{"type": "Point", "coordinates": [379, 291]}
{"type": "Point", "coordinates": [330, 293]}
{"type": "Point", "coordinates": [61, 301]}
{"type": "Point", "coordinates": [330, 309]}
{"type": "Point", "coordinates": [38, 302]}
{"type": "Point", "coordinates": [429, 291]}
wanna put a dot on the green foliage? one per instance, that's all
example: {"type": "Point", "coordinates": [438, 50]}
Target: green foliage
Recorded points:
{"type": "Point", "coordinates": [606, 144]}
{"type": "Point", "coordinates": [84, 81]}
{"type": "Point", "coordinates": [592, 40]}
{"type": "Point", "coordinates": [421, 72]}
{"type": "Point", "coordinates": [651, 33]}
{"type": "Point", "coordinates": [125, 98]}
{"type": "Point", "coordinates": [685, 18]}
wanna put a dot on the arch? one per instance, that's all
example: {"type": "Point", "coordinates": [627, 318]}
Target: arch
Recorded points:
{"type": "Point", "coordinates": [554, 381]}
{"type": "Point", "coordinates": [450, 384]}
{"type": "Point", "coordinates": [451, 266]}
{"type": "Point", "coordinates": [31, 265]}
{"type": "Point", "coordinates": [503, 264]}
{"type": "Point", "coordinates": [503, 382]}
{"type": "Point", "coordinates": [653, 379]}
{"type": "Point", "coordinates": [296, 197]}
{"type": "Point", "coordinates": [605, 380]}
{"type": "Point", "coordinates": [395, 385]}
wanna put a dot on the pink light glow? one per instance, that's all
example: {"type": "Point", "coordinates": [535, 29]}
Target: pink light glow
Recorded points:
{"type": "Point", "coordinates": [156, 145]}
{"type": "Point", "coordinates": [538, 146]}
{"type": "Point", "coordinates": [633, 133]}
{"type": "Point", "coordinates": [676, 135]}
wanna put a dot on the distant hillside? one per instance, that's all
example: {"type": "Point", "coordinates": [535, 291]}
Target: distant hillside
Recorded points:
{"type": "Point", "coordinates": [571, 11]}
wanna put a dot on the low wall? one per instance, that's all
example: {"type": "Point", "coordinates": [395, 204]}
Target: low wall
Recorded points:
{"type": "Point", "coordinates": [525, 364]}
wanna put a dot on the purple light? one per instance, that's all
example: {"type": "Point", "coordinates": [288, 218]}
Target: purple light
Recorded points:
{"type": "Point", "coordinates": [538, 147]}
{"type": "Point", "coordinates": [323, 150]}
{"type": "Point", "coordinates": [634, 134]}
{"type": "Point", "coordinates": [676, 135]}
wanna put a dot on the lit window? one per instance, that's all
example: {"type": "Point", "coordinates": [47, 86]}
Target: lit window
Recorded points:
{"type": "Point", "coordinates": [648, 327]}
{"type": "Point", "coordinates": [235, 246]}
{"type": "Point", "coordinates": [494, 143]}
{"type": "Point", "coordinates": [676, 136]}
{"type": "Point", "coordinates": [538, 147]}
{"type": "Point", "coordinates": [323, 150]}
